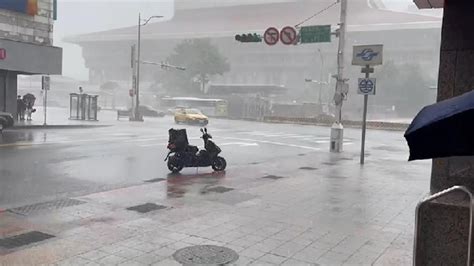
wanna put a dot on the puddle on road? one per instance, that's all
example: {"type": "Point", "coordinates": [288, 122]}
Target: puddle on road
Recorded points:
{"type": "Point", "coordinates": [178, 185]}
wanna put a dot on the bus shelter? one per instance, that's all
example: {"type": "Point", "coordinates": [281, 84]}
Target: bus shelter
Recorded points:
{"type": "Point", "coordinates": [83, 106]}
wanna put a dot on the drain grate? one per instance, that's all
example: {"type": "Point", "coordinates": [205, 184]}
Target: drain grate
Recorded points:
{"type": "Point", "coordinates": [49, 205]}
{"type": "Point", "coordinates": [219, 189]}
{"type": "Point", "coordinates": [23, 239]}
{"type": "Point", "coordinates": [205, 255]}
{"type": "Point", "coordinates": [147, 207]}
{"type": "Point", "coordinates": [308, 168]}
{"type": "Point", "coordinates": [155, 180]}
{"type": "Point", "coordinates": [274, 177]}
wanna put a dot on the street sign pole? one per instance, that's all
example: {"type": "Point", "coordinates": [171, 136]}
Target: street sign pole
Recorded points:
{"type": "Point", "coordinates": [45, 106]}
{"type": "Point", "coordinates": [45, 84]}
{"type": "Point", "coordinates": [366, 56]}
{"type": "Point", "coordinates": [364, 118]}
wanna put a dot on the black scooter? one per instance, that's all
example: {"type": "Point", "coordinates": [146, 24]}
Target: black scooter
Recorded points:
{"type": "Point", "coordinates": [182, 154]}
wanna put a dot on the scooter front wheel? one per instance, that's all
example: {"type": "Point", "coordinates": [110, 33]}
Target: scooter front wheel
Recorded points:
{"type": "Point", "coordinates": [174, 165]}
{"type": "Point", "coordinates": [219, 164]}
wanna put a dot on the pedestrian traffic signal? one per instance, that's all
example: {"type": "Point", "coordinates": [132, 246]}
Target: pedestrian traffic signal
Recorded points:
{"type": "Point", "coordinates": [248, 37]}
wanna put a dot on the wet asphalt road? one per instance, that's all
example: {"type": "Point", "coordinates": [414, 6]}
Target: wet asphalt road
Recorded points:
{"type": "Point", "coordinates": [39, 165]}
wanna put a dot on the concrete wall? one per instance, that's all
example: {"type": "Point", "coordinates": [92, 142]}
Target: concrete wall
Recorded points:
{"type": "Point", "coordinates": [8, 80]}
{"type": "Point", "coordinates": [32, 29]}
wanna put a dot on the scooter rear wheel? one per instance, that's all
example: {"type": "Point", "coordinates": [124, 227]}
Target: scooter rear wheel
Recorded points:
{"type": "Point", "coordinates": [174, 165]}
{"type": "Point", "coordinates": [219, 164]}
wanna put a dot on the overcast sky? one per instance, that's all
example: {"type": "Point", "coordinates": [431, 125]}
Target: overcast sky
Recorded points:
{"type": "Point", "coordinates": [83, 16]}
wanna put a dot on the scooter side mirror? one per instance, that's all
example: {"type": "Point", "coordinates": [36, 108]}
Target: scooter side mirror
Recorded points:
{"type": "Point", "coordinates": [202, 130]}
{"type": "Point", "coordinates": [205, 129]}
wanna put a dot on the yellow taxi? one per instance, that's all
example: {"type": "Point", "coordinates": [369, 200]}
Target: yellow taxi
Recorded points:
{"type": "Point", "coordinates": [190, 116]}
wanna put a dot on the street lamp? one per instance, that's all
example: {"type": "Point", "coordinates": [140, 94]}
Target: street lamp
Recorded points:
{"type": "Point", "coordinates": [321, 83]}
{"type": "Point", "coordinates": [137, 85]}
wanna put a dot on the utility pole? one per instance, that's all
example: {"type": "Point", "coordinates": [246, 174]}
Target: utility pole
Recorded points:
{"type": "Point", "coordinates": [137, 86]}
{"type": "Point", "coordinates": [132, 92]}
{"type": "Point", "coordinates": [137, 115]}
{"type": "Point", "coordinates": [337, 130]}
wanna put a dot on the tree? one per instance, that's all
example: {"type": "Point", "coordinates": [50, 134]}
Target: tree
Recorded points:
{"type": "Point", "coordinates": [201, 59]}
{"type": "Point", "coordinates": [405, 86]}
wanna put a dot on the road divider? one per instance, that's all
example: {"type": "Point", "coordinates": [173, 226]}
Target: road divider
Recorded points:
{"type": "Point", "coordinates": [328, 122]}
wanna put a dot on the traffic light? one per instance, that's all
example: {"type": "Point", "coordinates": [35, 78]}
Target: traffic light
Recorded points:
{"type": "Point", "coordinates": [248, 37]}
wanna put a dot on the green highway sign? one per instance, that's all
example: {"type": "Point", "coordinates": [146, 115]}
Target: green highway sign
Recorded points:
{"type": "Point", "coordinates": [312, 34]}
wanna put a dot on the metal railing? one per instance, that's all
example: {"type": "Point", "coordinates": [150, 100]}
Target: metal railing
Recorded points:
{"type": "Point", "coordinates": [435, 196]}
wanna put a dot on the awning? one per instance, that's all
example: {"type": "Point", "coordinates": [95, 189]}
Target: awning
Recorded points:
{"type": "Point", "coordinates": [29, 58]}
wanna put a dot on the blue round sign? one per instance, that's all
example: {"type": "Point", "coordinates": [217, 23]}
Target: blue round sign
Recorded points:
{"type": "Point", "coordinates": [366, 86]}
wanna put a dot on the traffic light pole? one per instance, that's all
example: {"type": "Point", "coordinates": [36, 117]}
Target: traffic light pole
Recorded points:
{"type": "Point", "coordinates": [337, 129]}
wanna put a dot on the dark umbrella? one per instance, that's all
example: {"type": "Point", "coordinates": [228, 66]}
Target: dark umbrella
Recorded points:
{"type": "Point", "coordinates": [29, 98]}
{"type": "Point", "coordinates": [443, 129]}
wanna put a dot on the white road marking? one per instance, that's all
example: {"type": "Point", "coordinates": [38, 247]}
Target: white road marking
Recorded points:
{"type": "Point", "coordinates": [242, 144]}
{"type": "Point", "coordinates": [153, 145]}
{"type": "Point", "coordinates": [275, 143]}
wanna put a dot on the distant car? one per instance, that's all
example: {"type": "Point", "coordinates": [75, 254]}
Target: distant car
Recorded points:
{"type": "Point", "coordinates": [6, 120]}
{"type": "Point", "coordinates": [146, 110]}
{"type": "Point", "coordinates": [190, 116]}
{"type": "Point", "coordinates": [173, 110]}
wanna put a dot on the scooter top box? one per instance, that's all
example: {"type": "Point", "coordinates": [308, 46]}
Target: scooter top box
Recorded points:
{"type": "Point", "coordinates": [178, 137]}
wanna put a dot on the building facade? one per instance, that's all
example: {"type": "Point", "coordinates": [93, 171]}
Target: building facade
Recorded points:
{"type": "Point", "coordinates": [26, 45]}
{"type": "Point", "coordinates": [408, 39]}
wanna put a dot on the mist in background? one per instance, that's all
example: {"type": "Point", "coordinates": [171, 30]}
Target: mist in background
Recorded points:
{"type": "Point", "coordinates": [85, 16]}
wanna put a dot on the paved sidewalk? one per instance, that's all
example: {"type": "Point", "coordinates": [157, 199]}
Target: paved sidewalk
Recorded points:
{"type": "Point", "coordinates": [338, 213]}
{"type": "Point", "coordinates": [59, 118]}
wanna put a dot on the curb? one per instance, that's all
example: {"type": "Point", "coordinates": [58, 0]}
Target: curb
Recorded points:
{"type": "Point", "coordinates": [32, 127]}
{"type": "Point", "coordinates": [352, 124]}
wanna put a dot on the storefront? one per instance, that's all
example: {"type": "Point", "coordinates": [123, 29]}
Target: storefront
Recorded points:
{"type": "Point", "coordinates": [26, 45]}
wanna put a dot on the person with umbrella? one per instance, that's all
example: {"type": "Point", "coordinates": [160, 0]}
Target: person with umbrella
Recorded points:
{"type": "Point", "coordinates": [29, 100]}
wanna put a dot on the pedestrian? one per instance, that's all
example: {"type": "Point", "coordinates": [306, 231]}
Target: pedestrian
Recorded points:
{"type": "Point", "coordinates": [29, 110]}
{"type": "Point", "coordinates": [20, 108]}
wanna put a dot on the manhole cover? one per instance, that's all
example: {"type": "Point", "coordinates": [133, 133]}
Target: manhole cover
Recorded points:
{"type": "Point", "coordinates": [308, 168]}
{"type": "Point", "coordinates": [155, 180]}
{"type": "Point", "coordinates": [274, 177]}
{"type": "Point", "coordinates": [147, 207]}
{"type": "Point", "coordinates": [23, 239]}
{"type": "Point", "coordinates": [301, 154]}
{"type": "Point", "coordinates": [329, 163]}
{"type": "Point", "coordinates": [219, 189]}
{"type": "Point", "coordinates": [205, 255]}
{"type": "Point", "coordinates": [49, 205]}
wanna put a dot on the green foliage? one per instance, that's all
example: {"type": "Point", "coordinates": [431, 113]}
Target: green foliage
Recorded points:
{"type": "Point", "coordinates": [201, 59]}
{"type": "Point", "coordinates": [405, 86]}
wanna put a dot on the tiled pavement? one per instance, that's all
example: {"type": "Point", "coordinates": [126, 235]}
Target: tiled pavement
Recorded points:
{"type": "Point", "coordinates": [340, 214]}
